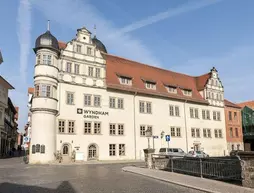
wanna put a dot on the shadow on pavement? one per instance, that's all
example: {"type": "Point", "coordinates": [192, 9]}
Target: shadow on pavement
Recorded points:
{"type": "Point", "coordinates": [64, 187]}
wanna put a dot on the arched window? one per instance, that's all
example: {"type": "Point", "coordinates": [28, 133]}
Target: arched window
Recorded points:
{"type": "Point", "coordinates": [33, 149]}
{"type": "Point", "coordinates": [42, 148]}
{"type": "Point", "coordinates": [38, 148]}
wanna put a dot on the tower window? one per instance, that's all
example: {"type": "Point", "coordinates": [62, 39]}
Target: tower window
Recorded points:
{"type": "Point", "coordinates": [38, 59]}
{"type": "Point", "coordinates": [47, 59]}
{"type": "Point", "coordinates": [43, 90]}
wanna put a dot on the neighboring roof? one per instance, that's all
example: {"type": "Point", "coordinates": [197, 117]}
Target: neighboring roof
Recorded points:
{"type": "Point", "coordinates": [62, 45]}
{"type": "Point", "coordinates": [30, 90]}
{"type": "Point", "coordinates": [5, 83]}
{"type": "Point", "coordinates": [117, 65]}
{"type": "Point", "coordinates": [230, 104]}
{"type": "Point", "coordinates": [249, 104]}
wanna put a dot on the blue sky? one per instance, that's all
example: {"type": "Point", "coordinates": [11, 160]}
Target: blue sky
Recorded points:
{"type": "Point", "coordinates": [188, 36]}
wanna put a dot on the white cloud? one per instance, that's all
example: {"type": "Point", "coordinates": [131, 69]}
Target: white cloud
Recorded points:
{"type": "Point", "coordinates": [24, 35]}
{"type": "Point", "coordinates": [75, 14]}
{"type": "Point", "coordinates": [187, 7]}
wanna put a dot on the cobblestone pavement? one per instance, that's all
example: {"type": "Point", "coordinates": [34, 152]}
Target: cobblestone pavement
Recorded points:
{"type": "Point", "coordinates": [102, 178]}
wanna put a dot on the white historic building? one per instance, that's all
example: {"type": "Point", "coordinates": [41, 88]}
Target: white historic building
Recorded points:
{"type": "Point", "coordinates": [100, 105]}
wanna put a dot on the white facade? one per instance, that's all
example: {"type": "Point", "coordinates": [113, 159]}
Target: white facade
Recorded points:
{"type": "Point", "coordinates": [73, 110]}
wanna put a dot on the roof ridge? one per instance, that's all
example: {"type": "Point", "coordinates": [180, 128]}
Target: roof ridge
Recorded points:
{"type": "Point", "coordinates": [163, 69]}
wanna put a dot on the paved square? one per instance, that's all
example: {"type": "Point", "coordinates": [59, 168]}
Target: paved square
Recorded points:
{"type": "Point", "coordinates": [90, 178]}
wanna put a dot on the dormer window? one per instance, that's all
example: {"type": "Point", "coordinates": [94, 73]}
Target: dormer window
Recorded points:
{"type": "Point", "coordinates": [151, 85]}
{"type": "Point", "coordinates": [171, 89]}
{"type": "Point", "coordinates": [187, 92]}
{"type": "Point", "coordinates": [125, 80]}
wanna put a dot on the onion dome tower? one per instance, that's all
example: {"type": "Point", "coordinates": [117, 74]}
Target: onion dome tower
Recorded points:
{"type": "Point", "coordinates": [44, 105]}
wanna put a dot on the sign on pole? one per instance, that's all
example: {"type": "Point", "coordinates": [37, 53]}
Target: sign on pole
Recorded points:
{"type": "Point", "coordinates": [168, 139]}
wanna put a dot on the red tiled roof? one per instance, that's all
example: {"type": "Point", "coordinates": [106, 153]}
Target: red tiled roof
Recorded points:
{"type": "Point", "coordinates": [202, 81]}
{"type": "Point", "coordinates": [117, 65]}
{"type": "Point", "coordinates": [30, 90]}
{"type": "Point", "coordinates": [230, 104]}
{"type": "Point", "coordinates": [62, 45]}
{"type": "Point", "coordinates": [249, 104]}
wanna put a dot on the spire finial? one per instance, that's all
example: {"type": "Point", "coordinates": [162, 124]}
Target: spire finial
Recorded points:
{"type": "Point", "coordinates": [94, 30]}
{"type": "Point", "coordinates": [48, 25]}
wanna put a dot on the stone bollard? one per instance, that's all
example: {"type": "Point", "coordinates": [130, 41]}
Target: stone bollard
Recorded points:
{"type": "Point", "coordinates": [247, 158]}
{"type": "Point", "coordinates": [148, 157]}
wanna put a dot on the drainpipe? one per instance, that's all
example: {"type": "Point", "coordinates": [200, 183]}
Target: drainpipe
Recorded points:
{"type": "Point", "coordinates": [134, 120]}
{"type": "Point", "coordinates": [185, 123]}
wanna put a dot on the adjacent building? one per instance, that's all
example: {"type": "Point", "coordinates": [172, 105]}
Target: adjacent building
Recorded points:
{"type": "Point", "coordinates": [101, 106]}
{"type": "Point", "coordinates": [248, 124]}
{"type": "Point", "coordinates": [4, 104]}
{"type": "Point", "coordinates": [234, 132]}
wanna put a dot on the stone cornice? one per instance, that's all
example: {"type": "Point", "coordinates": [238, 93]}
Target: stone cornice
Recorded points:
{"type": "Point", "coordinates": [45, 109]}
{"type": "Point", "coordinates": [44, 75]}
{"type": "Point", "coordinates": [47, 66]}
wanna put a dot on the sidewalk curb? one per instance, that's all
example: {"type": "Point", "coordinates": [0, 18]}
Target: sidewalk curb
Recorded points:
{"type": "Point", "coordinates": [171, 182]}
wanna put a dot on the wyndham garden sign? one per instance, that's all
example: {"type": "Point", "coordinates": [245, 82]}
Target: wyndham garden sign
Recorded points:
{"type": "Point", "coordinates": [92, 114]}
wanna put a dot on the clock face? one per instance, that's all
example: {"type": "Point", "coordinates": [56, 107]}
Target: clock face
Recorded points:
{"type": "Point", "coordinates": [46, 41]}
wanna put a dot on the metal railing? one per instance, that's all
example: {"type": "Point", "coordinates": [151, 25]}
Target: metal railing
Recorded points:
{"type": "Point", "coordinates": [221, 168]}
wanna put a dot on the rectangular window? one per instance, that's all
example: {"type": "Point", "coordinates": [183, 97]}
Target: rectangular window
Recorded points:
{"type": "Point", "coordinates": [209, 133]}
{"type": "Point", "coordinates": [87, 100]}
{"type": "Point", "coordinates": [231, 132]}
{"type": "Point", "coordinates": [187, 92]}
{"type": "Point", "coordinates": [220, 133]}
{"type": "Point", "coordinates": [196, 113]}
{"type": "Point", "coordinates": [191, 112]}
{"type": "Point", "coordinates": [68, 67]}
{"type": "Point", "coordinates": [125, 80]}
{"type": "Point", "coordinates": [61, 126]}
{"type": "Point", "coordinates": [70, 98]}
{"type": "Point", "coordinates": [112, 149]}
{"type": "Point", "coordinates": [37, 90]}
{"type": "Point", "coordinates": [216, 134]}
{"type": "Point", "coordinates": [178, 132]}
{"type": "Point", "coordinates": [235, 116]}
{"type": "Point", "coordinates": [48, 92]}
{"type": "Point", "coordinates": [76, 70]}
{"type": "Point", "coordinates": [97, 101]}
{"type": "Point", "coordinates": [236, 132]}
{"type": "Point", "coordinates": [173, 133]}
{"type": "Point", "coordinates": [43, 90]}
{"type": "Point", "coordinates": [121, 149]}
{"type": "Point", "coordinates": [97, 72]}
{"type": "Point", "coordinates": [142, 130]}
{"type": "Point", "coordinates": [120, 103]}
{"type": "Point", "coordinates": [230, 115]}
{"type": "Point", "coordinates": [204, 133]}
{"type": "Point", "coordinates": [78, 48]}
{"type": "Point", "coordinates": [89, 51]}
{"type": "Point", "coordinates": [171, 110]}
{"type": "Point", "coordinates": [150, 85]}
{"type": "Point", "coordinates": [150, 128]}
{"type": "Point", "coordinates": [208, 114]}
{"type": "Point", "coordinates": [87, 127]}
{"type": "Point", "coordinates": [214, 115]}
{"type": "Point", "coordinates": [71, 126]}
{"type": "Point", "coordinates": [149, 107]}
{"type": "Point", "coordinates": [90, 71]}
{"type": "Point", "coordinates": [193, 134]}
{"type": "Point", "coordinates": [141, 106]}
{"type": "Point", "coordinates": [177, 111]}
{"type": "Point", "coordinates": [112, 129]}
{"type": "Point", "coordinates": [203, 114]}
{"type": "Point", "coordinates": [47, 59]}
{"type": "Point", "coordinates": [112, 102]}
{"type": "Point", "coordinates": [218, 116]}
{"type": "Point", "coordinates": [120, 129]}
{"type": "Point", "coordinates": [197, 132]}
{"type": "Point", "coordinates": [38, 59]}
{"type": "Point", "coordinates": [171, 89]}
{"type": "Point", "coordinates": [97, 128]}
